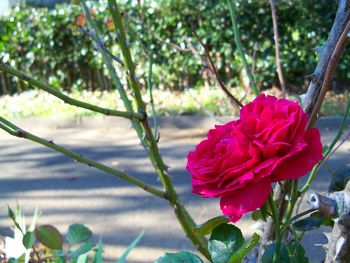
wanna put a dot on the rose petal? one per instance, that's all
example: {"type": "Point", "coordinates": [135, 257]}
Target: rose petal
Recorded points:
{"type": "Point", "coordinates": [246, 199]}
{"type": "Point", "coordinates": [298, 165]}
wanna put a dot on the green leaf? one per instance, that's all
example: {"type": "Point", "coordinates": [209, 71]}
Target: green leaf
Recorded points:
{"type": "Point", "coordinates": [256, 215]}
{"type": "Point", "coordinates": [130, 247]}
{"type": "Point", "coordinates": [98, 255]}
{"type": "Point", "coordinates": [265, 210]}
{"type": "Point", "coordinates": [239, 254]}
{"type": "Point", "coordinates": [207, 227]}
{"type": "Point", "coordinates": [309, 223]}
{"type": "Point", "coordinates": [49, 236]}
{"type": "Point", "coordinates": [78, 233]}
{"type": "Point", "coordinates": [225, 240]}
{"type": "Point", "coordinates": [59, 256]}
{"type": "Point", "coordinates": [297, 253]}
{"type": "Point", "coordinates": [10, 213]}
{"type": "Point", "coordinates": [28, 239]}
{"type": "Point", "coordinates": [261, 213]}
{"type": "Point", "coordinates": [267, 257]}
{"type": "Point", "coordinates": [12, 216]}
{"type": "Point", "coordinates": [84, 248]}
{"type": "Point", "coordinates": [327, 220]}
{"type": "Point", "coordinates": [83, 258]}
{"type": "Point", "coordinates": [179, 257]}
{"type": "Point", "coordinates": [339, 179]}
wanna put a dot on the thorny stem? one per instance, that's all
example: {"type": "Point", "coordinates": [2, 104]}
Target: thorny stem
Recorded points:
{"type": "Point", "coordinates": [16, 131]}
{"type": "Point", "coordinates": [311, 97]}
{"type": "Point", "coordinates": [327, 151]}
{"type": "Point", "coordinates": [148, 53]}
{"type": "Point", "coordinates": [277, 47]}
{"type": "Point", "coordinates": [112, 71]}
{"type": "Point", "coordinates": [124, 45]}
{"type": "Point", "coordinates": [324, 53]}
{"type": "Point", "coordinates": [240, 47]}
{"type": "Point", "coordinates": [236, 102]}
{"type": "Point", "coordinates": [181, 213]}
{"type": "Point", "coordinates": [335, 57]}
{"type": "Point", "coordinates": [55, 92]}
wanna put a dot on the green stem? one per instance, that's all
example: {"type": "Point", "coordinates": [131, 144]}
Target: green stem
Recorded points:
{"type": "Point", "coordinates": [287, 222]}
{"type": "Point", "coordinates": [79, 158]}
{"type": "Point", "coordinates": [181, 213]}
{"type": "Point", "coordinates": [113, 73]}
{"type": "Point", "coordinates": [327, 151]}
{"type": "Point", "coordinates": [124, 45]}
{"type": "Point", "coordinates": [293, 199]}
{"type": "Point", "coordinates": [276, 222]}
{"type": "Point", "coordinates": [150, 87]}
{"type": "Point", "coordinates": [55, 92]}
{"type": "Point", "coordinates": [240, 47]}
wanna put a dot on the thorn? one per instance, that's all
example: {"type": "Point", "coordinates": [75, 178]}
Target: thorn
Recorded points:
{"type": "Point", "coordinates": [127, 43]}
{"type": "Point", "coordinates": [311, 77]}
{"type": "Point", "coordinates": [328, 236]}
{"type": "Point", "coordinates": [166, 167]}
{"type": "Point", "coordinates": [319, 50]}
{"type": "Point", "coordinates": [175, 207]}
{"type": "Point", "coordinates": [157, 137]}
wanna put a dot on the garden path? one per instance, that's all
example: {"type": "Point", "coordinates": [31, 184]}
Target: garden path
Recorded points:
{"type": "Point", "coordinates": [67, 192]}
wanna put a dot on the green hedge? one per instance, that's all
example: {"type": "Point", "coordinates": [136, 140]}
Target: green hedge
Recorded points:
{"type": "Point", "coordinates": [48, 44]}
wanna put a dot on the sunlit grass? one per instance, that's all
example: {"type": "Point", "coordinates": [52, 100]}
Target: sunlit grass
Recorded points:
{"type": "Point", "coordinates": [205, 101]}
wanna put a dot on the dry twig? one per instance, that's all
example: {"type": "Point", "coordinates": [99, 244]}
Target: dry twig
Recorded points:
{"type": "Point", "coordinates": [277, 47]}
{"type": "Point", "coordinates": [212, 68]}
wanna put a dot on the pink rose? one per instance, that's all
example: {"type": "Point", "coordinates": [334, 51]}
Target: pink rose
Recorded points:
{"type": "Point", "coordinates": [240, 159]}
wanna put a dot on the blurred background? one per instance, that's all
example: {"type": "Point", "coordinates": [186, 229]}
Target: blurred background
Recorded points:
{"type": "Point", "coordinates": [42, 37]}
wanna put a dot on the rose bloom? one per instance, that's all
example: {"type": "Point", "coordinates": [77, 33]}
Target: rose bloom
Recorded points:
{"type": "Point", "coordinates": [240, 160]}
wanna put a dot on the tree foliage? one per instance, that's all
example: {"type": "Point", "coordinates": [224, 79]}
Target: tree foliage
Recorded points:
{"type": "Point", "coordinates": [39, 40]}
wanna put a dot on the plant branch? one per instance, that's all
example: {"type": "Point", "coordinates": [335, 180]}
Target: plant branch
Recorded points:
{"type": "Point", "coordinates": [325, 53]}
{"type": "Point", "coordinates": [277, 47]}
{"type": "Point", "coordinates": [181, 213]}
{"type": "Point", "coordinates": [55, 92]}
{"type": "Point", "coordinates": [327, 152]}
{"type": "Point", "coordinates": [18, 132]}
{"type": "Point", "coordinates": [293, 199]}
{"type": "Point", "coordinates": [100, 43]}
{"type": "Point", "coordinates": [333, 62]}
{"type": "Point", "coordinates": [240, 47]}
{"type": "Point", "coordinates": [113, 73]}
{"type": "Point", "coordinates": [150, 88]}
{"type": "Point", "coordinates": [124, 45]}
{"type": "Point", "coordinates": [212, 67]}
{"type": "Point", "coordinates": [286, 223]}
{"type": "Point", "coordinates": [276, 221]}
